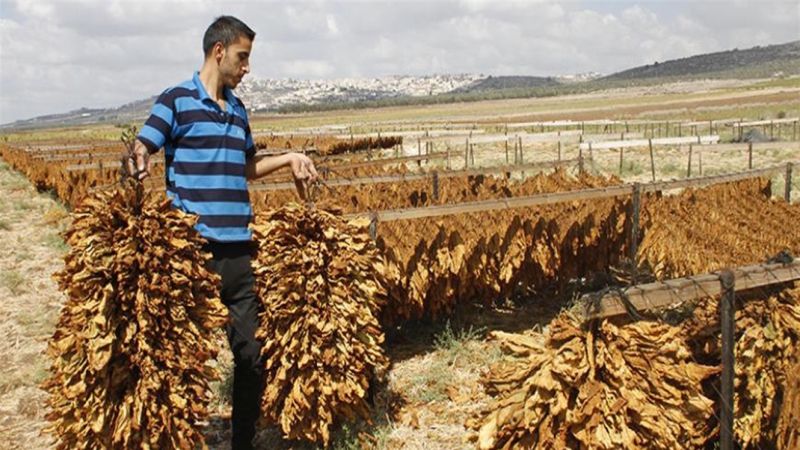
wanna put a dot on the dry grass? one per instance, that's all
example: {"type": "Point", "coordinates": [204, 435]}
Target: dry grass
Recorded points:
{"type": "Point", "coordinates": [29, 309]}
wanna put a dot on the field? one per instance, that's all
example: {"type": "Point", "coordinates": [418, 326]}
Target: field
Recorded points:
{"type": "Point", "coordinates": [520, 267]}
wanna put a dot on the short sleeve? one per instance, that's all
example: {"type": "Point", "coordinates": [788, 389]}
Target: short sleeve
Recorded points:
{"type": "Point", "coordinates": [250, 147]}
{"type": "Point", "coordinates": [158, 127]}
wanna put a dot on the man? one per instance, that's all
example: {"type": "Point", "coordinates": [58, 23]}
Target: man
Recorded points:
{"type": "Point", "coordinates": [209, 155]}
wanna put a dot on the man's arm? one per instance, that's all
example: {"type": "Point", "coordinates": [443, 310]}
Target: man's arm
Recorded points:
{"type": "Point", "coordinates": [153, 135]}
{"type": "Point", "coordinates": [302, 167]}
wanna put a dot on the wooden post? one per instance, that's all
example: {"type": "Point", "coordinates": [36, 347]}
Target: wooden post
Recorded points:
{"type": "Point", "coordinates": [559, 149]}
{"type": "Point", "coordinates": [634, 243]}
{"type": "Point", "coordinates": [521, 156]}
{"type": "Point", "coordinates": [710, 127]}
{"type": "Point", "coordinates": [582, 128]}
{"type": "Point", "coordinates": [652, 159]}
{"type": "Point", "coordinates": [787, 194]}
{"type": "Point", "coordinates": [689, 166]}
{"type": "Point", "coordinates": [771, 130]}
{"type": "Point", "coordinates": [794, 130]}
{"type": "Point", "coordinates": [472, 154]}
{"type": "Point", "coordinates": [591, 154]}
{"type": "Point", "coordinates": [506, 150]}
{"type": "Point", "coordinates": [621, 159]}
{"type": "Point", "coordinates": [750, 155]}
{"type": "Point", "coordinates": [700, 161]}
{"type": "Point", "coordinates": [680, 133]}
{"type": "Point", "coordinates": [466, 153]}
{"type": "Point", "coordinates": [516, 153]}
{"type": "Point", "coordinates": [419, 153]}
{"type": "Point", "coordinates": [727, 311]}
{"type": "Point", "coordinates": [626, 127]}
{"type": "Point", "coordinates": [580, 159]}
{"type": "Point", "coordinates": [435, 185]}
{"type": "Point", "coordinates": [448, 157]}
{"type": "Point", "coordinates": [373, 226]}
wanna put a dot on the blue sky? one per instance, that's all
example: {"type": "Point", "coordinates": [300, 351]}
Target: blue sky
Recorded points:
{"type": "Point", "coordinates": [59, 55]}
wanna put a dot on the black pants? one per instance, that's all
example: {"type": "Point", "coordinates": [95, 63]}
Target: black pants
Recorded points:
{"type": "Point", "coordinates": [232, 262]}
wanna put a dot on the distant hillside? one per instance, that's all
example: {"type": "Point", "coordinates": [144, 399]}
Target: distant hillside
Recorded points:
{"type": "Point", "coordinates": [136, 110]}
{"type": "Point", "coordinates": [753, 62]}
{"type": "Point", "coordinates": [315, 95]}
{"type": "Point", "coordinates": [493, 83]}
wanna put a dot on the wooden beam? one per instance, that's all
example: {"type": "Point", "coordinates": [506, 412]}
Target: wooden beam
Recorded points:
{"type": "Point", "coordinates": [318, 161]}
{"type": "Point", "coordinates": [663, 294]}
{"type": "Point", "coordinates": [412, 177]}
{"type": "Point", "coordinates": [712, 179]}
{"type": "Point", "coordinates": [559, 197]}
{"type": "Point", "coordinates": [499, 204]}
{"type": "Point", "coordinates": [766, 122]}
{"type": "Point", "coordinates": [108, 164]}
{"type": "Point", "coordinates": [778, 145]}
{"type": "Point", "coordinates": [710, 139]}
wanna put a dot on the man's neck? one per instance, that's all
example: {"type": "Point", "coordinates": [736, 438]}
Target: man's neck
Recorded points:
{"type": "Point", "coordinates": [210, 79]}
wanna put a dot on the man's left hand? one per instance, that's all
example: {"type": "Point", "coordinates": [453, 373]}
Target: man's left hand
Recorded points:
{"type": "Point", "coordinates": [303, 171]}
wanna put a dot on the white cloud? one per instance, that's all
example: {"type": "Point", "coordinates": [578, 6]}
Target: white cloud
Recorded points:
{"type": "Point", "coordinates": [58, 55]}
{"type": "Point", "coordinates": [307, 68]}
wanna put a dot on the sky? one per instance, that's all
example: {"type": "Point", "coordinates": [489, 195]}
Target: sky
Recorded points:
{"type": "Point", "coordinates": [61, 55]}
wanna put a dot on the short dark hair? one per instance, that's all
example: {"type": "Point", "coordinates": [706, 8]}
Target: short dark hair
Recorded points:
{"type": "Point", "coordinates": [225, 30]}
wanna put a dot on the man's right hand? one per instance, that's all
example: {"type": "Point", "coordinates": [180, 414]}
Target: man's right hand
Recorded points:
{"type": "Point", "coordinates": [139, 163]}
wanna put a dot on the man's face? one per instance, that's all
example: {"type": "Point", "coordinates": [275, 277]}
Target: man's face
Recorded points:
{"type": "Point", "coordinates": [235, 62]}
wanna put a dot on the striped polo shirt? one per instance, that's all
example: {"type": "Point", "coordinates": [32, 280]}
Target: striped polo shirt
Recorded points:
{"type": "Point", "coordinates": [205, 150]}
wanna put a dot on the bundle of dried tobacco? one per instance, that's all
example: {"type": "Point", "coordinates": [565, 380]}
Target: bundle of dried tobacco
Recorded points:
{"type": "Point", "coordinates": [131, 350]}
{"type": "Point", "coordinates": [319, 278]}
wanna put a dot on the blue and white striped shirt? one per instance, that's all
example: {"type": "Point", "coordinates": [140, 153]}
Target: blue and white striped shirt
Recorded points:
{"type": "Point", "coordinates": [205, 150]}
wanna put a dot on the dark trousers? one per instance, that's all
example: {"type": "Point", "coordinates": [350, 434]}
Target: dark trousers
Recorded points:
{"type": "Point", "coordinates": [232, 262]}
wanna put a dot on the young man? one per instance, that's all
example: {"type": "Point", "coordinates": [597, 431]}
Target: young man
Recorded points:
{"type": "Point", "coordinates": [209, 155]}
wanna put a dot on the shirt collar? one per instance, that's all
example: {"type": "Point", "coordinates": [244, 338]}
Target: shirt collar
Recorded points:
{"type": "Point", "coordinates": [200, 88]}
{"type": "Point", "coordinates": [229, 97]}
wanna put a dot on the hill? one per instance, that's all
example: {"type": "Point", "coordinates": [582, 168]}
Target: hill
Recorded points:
{"type": "Point", "coordinates": [492, 83]}
{"type": "Point", "coordinates": [753, 62]}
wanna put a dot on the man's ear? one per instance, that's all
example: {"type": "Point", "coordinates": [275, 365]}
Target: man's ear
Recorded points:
{"type": "Point", "coordinates": [218, 51]}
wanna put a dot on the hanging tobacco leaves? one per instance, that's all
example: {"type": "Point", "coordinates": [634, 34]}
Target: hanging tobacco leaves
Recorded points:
{"type": "Point", "coordinates": [629, 386]}
{"type": "Point", "coordinates": [319, 278]}
{"type": "Point", "coordinates": [132, 348]}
